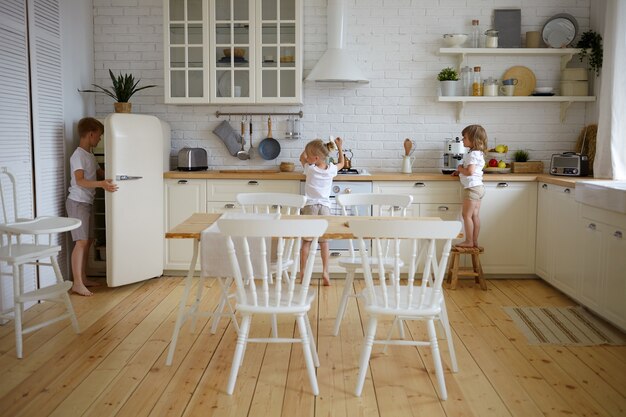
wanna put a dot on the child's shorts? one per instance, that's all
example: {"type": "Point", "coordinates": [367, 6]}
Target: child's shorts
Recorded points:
{"type": "Point", "coordinates": [84, 213]}
{"type": "Point", "coordinates": [475, 193]}
{"type": "Point", "coordinates": [316, 210]}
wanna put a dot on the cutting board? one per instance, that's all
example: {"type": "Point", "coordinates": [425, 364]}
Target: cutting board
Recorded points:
{"type": "Point", "coordinates": [248, 171]}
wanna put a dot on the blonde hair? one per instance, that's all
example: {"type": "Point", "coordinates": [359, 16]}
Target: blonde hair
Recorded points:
{"type": "Point", "coordinates": [477, 136]}
{"type": "Point", "coordinates": [87, 125]}
{"type": "Point", "coordinates": [317, 147]}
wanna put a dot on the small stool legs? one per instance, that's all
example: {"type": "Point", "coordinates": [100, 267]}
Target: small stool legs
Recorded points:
{"type": "Point", "coordinates": [455, 271]}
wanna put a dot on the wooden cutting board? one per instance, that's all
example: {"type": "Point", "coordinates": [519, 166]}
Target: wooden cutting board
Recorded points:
{"type": "Point", "coordinates": [248, 171]}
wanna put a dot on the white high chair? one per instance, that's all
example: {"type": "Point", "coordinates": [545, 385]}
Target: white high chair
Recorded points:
{"type": "Point", "coordinates": [22, 243]}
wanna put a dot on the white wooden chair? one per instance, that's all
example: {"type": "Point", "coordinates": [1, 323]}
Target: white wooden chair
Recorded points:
{"type": "Point", "coordinates": [22, 243]}
{"type": "Point", "coordinates": [355, 205]}
{"type": "Point", "coordinates": [418, 298]}
{"type": "Point", "coordinates": [255, 294]}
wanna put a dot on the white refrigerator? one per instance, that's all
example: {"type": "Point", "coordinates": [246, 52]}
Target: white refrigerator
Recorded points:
{"type": "Point", "coordinates": [136, 153]}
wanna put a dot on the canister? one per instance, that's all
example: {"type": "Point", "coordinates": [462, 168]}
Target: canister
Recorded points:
{"type": "Point", "coordinates": [574, 88]}
{"type": "Point", "coordinates": [490, 87]}
{"type": "Point", "coordinates": [491, 38]}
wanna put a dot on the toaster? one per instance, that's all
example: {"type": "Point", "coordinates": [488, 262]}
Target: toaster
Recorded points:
{"type": "Point", "coordinates": [569, 164]}
{"type": "Point", "coordinates": [192, 159]}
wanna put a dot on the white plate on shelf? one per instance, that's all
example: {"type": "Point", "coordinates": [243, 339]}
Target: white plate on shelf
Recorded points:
{"type": "Point", "coordinates": [495, 170]}
{"type": "Point", "coordinates": [223, 86]}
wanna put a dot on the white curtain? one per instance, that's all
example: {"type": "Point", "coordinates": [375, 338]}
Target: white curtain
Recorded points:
{"type": "Point", "coordinates": [610, 158]}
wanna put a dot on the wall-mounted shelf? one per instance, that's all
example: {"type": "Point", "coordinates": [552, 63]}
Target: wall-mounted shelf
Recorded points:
{"type": "Point", "coordinates": [565, 101]}
{"type": "Point", "coordinates": [566, 54]}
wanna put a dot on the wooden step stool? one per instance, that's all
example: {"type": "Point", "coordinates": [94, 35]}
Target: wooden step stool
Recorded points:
{"type": "Point", "coordinates": [476, 271]}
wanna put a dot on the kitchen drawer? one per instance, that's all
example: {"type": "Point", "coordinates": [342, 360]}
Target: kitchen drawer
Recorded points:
{"type": "Point", "coordinates": [222, 207]}
{"type": "Point", "coordinates": [227, 190]}
{"type": "Point", "coordinates": [434, 192]}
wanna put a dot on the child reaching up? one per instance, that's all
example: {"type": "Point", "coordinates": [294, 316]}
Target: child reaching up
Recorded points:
{"type": "Point", "coordinates": [471, 176]}
{"type": "Point", "coordinates": [319, 180]}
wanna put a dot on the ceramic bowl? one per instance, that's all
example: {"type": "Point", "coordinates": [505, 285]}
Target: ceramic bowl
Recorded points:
{"type": "Point", "coordinates": [544, 90]}
{"type": "Point", "coordinates": [452, 40]}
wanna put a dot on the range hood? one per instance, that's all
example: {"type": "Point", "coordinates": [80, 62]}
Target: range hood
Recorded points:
{"type": "Point", "coordinates": [336, 65]}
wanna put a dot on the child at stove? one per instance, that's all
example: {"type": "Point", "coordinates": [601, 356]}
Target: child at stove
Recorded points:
{"type": "Point", "coordinates": [471, 176]}
{"type": "Point", "coordinates": [319, 180]}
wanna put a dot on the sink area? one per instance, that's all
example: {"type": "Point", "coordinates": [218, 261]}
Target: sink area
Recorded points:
{"type": "Point", "coordinates": [609, 195]}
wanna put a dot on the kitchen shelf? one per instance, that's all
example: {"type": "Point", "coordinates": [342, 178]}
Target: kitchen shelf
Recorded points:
{"type": "Point", "coordinates": [565, 101]}
{"type": "Point", "coordinates": [566, 54]}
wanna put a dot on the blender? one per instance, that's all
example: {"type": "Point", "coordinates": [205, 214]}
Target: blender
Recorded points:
{"type": "Point", "coordinates": [452, 155]}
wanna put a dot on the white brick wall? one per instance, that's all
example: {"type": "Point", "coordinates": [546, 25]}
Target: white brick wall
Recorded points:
{"type": "Point", "coordinates": [396, 42]}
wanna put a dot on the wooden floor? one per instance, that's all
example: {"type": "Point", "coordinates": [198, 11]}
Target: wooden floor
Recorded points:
{"type": "Point", "coordinates": [116, 366]}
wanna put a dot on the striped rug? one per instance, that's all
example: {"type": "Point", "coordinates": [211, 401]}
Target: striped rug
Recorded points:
{"type": "Point", "coordinates": [563, 326]}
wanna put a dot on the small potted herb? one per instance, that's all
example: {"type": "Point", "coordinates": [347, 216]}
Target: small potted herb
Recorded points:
{"type": "Point", "coordinates": [124, 86]}
{"type": "Point", "coordinates": [521, 164]}
{"type": "Point", "coordinates": [449, 78]}
{"type": "Point", "coordinates": [591, 44]}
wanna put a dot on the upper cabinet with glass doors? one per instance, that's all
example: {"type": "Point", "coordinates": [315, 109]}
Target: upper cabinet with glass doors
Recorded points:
{"type": "Point", "coordinates": [233, 51]}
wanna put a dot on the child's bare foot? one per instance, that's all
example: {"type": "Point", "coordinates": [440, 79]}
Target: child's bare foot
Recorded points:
{"type": "Point", "coordinates": [80, 289]}
{"type": "Point", "coordinates": [326, 279]}
{"type": "Point", "coordinates": [465, 245]}
{"type": "Point", "coordinates": [90, 283]}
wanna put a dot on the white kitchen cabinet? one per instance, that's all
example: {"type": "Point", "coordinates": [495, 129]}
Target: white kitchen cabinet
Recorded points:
{"type": "Point", "coordinates": [233, 51]}
{"type": "Point", "coordinates": [182, 199]}
{"type": "Point", "coordinates": [508, 215]}
{"type": "Point", "coordinates": [558, 238]}
{"type": "Point", "coordinates": [603, 284]}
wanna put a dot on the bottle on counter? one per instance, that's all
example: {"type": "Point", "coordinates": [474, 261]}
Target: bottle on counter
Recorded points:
{"type": "Point", "coordinates": [466, 80]}
{"type": "Point", "coordinates": [477, 85]}
{"type": "Point", "coordinates": [475, 34]}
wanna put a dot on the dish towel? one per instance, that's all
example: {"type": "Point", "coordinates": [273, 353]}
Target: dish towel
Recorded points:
{"type": "Point", "coordinates": [214, 259]}
{"type": "Point", "coordinates": [231, 139]}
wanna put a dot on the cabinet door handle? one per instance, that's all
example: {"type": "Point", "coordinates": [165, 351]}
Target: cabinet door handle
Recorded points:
{"type": "Point", "coordinates": [229, 206]}
{"type": "Point", "coordinates": [443, 208]}
{"type": "Point", "coordinates": [182, 181]}
{"type": "Point", "coordinates": [591, 226]}
{"type": "Point", "coordinates": [567, 191]}
{"type": "Point", "coordinates": [419, 184]}
{"type": "Point", "coordinates": [617, 234]}
{"type": "Point", "coordinates": [502, 185]}
{"type": "Point", "coordinates": [396, 208]}
{"type": "Point", "coordinates": [253, 183]}
{"type": "Point", "coordinates": [544, 186]}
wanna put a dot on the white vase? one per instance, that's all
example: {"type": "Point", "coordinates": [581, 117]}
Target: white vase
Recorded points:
{"type": "Point", "coordinates": [448, 88]}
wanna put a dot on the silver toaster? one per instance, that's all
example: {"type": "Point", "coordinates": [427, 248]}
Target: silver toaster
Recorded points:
{"type": "Point", "coordinates": [192, 159]}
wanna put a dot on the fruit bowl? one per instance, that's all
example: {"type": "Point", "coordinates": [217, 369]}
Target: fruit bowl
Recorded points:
{"type": "Point", "coordinates": [500, 156]}
{"type": "Point", "coordinates": [452, 40]}
{"type": "Point", "coordinates": [496, 170]}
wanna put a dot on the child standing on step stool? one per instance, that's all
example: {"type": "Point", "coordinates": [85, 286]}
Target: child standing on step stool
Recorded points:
{"type": "Point", "coordinates": [471, 176]}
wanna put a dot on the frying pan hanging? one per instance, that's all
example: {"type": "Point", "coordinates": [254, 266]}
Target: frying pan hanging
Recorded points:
{"type": "Point", "coordinates": [269, 148]}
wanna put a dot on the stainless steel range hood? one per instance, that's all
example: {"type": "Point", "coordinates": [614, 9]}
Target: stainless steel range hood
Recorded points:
{"type": "Point", "coordinates": [336, 65]}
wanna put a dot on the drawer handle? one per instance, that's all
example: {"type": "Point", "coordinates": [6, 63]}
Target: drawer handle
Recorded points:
{"type": "Point", "coordinates": [275, 206]}
{"type": "Point", "coordinates": [335, 254]}
{"type": "Point", "coordinates": [544, 186]}
{"type": "Point", "coordinates": [182, 181]}
{"type": "Point", "coordinates": [567, 191]}
{"type": "Point", "coordinates": [617, 234]}
{"type": "Point", "coordinates": [502, 185]}
{"type": "Point", "coordinates": [443, 208]}
{"type": "Point", "coordinates": [229, 206]}
{"type": "Point", "coordinates": [253, 183]}
{"type": "Point", "coordinates": [396, 208]}
{"type": "Point", "coordinates": [591, 226]}
{"type": "Point", "coordinates": [419, 184]}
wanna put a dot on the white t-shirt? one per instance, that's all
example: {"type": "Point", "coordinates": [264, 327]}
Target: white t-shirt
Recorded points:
{"type": "Point", "coordinates": [473, 158]}
{"type": "Point", "coordinates": [81, 159]}
{"type": "Point", "coordinates": [318, 184]}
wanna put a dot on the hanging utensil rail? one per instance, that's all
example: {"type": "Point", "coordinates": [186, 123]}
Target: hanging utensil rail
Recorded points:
{"type": "Point", "coordinates": [220, 114]}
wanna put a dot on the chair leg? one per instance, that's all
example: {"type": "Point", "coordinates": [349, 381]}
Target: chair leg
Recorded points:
{"type": "Point", "coordinates": [347, 292]}
{"type": "Point", "coordinates": [434, 347]}
{"type": "Point", "coordinates": [454, 270]}
{"type": "Point", "coordinates": [448, 332]}
{"type": "Point", "coordinates": [365, 354]}
{"type": "Point", "coordinates": [274, 327]}
{"type": "Point", "coordinates": [478, 268]}
{"type": "Point", "coordinates": [196, 303]}
{"type": "Point", "coordinates": [66, 297]}
{"type": "Point", "coordinates": [396, 321]}
{"type": "Point", "coordinates": [17, 310]}
{"type": "Point", "coordinates": [316, 359]}
{"type": "Point", "coordinates": [242, 339]}
{"type": "Point", "coordinates": [224, 302]}
{"type": "Point", "coordinates": [306, 349]}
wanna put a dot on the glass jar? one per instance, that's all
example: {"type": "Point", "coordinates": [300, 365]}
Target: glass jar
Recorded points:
{"type": "Point", "coordinates": [475, 33]}
{"type": "Point", "coordinates": [477, 85]}
{"type": "Point", "coordinates": [490, 87]}
{"type": "Point", "coordinates": [491, 38]}
{"type": "Point", "coordinates": [466, 80]}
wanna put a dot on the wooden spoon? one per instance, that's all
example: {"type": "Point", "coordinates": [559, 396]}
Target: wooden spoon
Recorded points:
{"type": "Point", "coordinates": [407, 146]}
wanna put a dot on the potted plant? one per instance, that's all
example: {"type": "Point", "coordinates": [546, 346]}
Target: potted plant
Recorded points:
{"type": "Point", "coordinates": [448, 78]}
{"type": "Point", "coordinates": [591, 44]}
{"type": "Point", "coordinates": [521, 164]}
{"type": "Point", "coordinates": [124, 86]}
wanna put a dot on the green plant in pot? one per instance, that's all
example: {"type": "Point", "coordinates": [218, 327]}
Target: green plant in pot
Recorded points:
{"type": "Point", "coordinates": [522, 165]}
{"type": "Point", "coordinates": [124, 87]}
{"type": "Point", "coordinates": [448, 78]}
{"type": "Point", "coordinates": [591, 44]}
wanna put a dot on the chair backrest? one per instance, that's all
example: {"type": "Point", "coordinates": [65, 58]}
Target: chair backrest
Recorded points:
{"type": "Point", "coordinates": [248, 243]}
{"type": "Point", "coordinates": [8, 204]}
{"type": "Point", "coordinates": [423, 235]}
{"type": "Point", "coordinates": [284, 203]}
{"type": "Point", "coordinates": [391, 205]}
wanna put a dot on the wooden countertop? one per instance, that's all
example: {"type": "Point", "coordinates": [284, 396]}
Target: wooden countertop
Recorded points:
{"type": "Point", "coordinates": [374, 176]}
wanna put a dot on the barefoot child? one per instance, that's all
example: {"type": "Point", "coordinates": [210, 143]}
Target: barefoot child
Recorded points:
{"type": "Point", "coordinates": [471, 176]}
{"type": "Point", "coordinates": [86, 176]}
{"type": "Point", "coordinates": [319, 180]}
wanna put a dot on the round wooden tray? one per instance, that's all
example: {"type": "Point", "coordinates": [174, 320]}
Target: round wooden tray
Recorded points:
{"type": "Point", "coordinates": [526, 80]}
